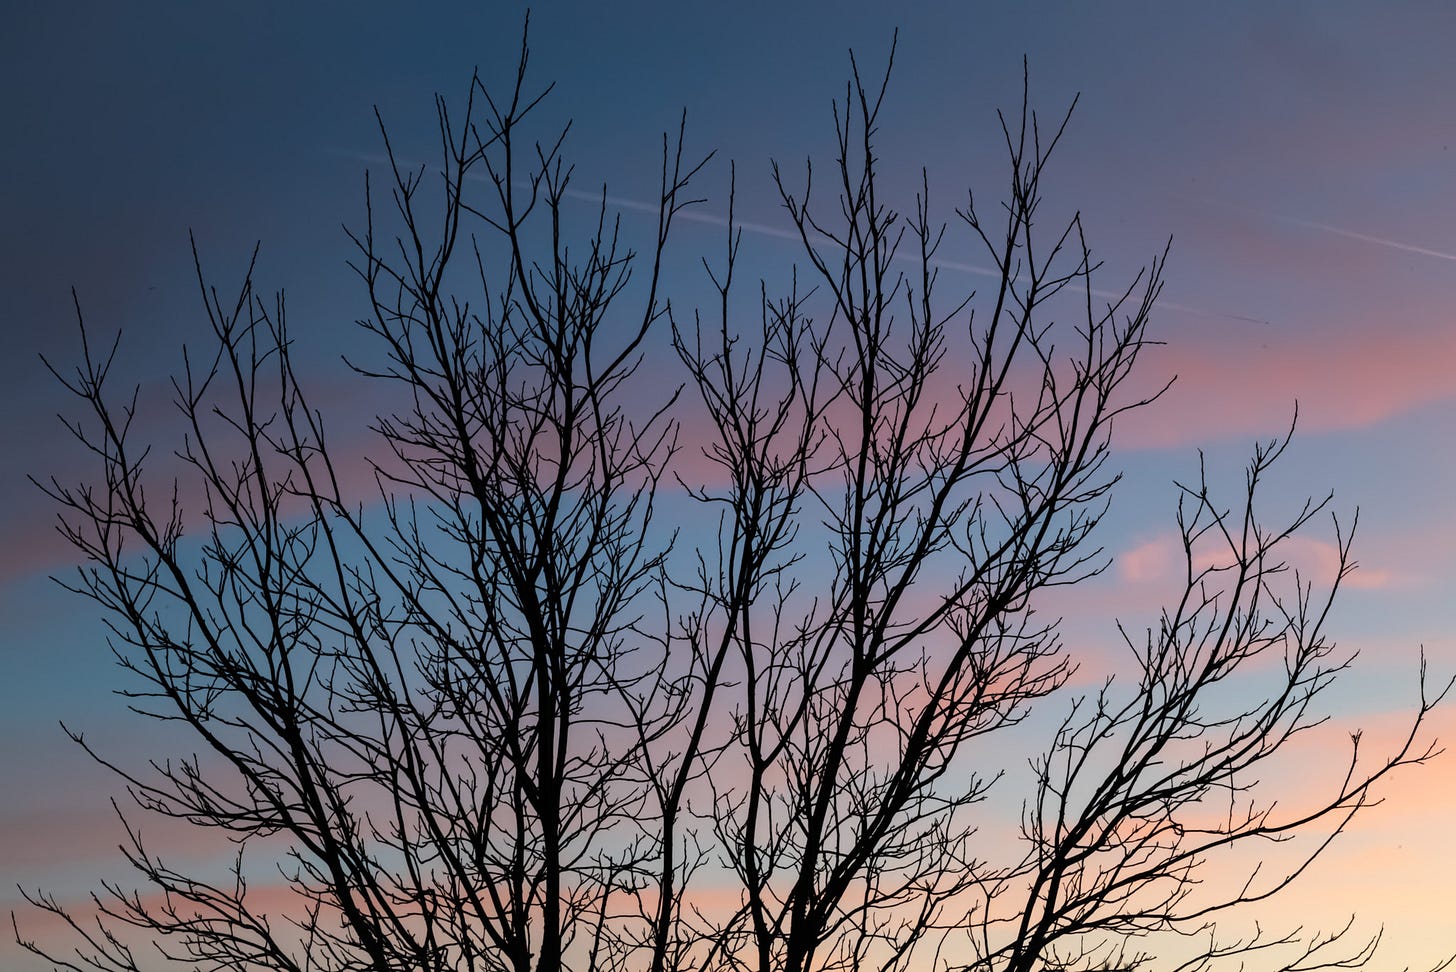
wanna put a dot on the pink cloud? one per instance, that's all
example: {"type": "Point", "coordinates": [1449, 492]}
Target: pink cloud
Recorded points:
{"type": "Point", "coordinates": [31, 543]}
{"type": "Point", "coordinates": [1152, 560]}
{"type": "Point", "coordinates": [1162, 559]}
{"type": "Point", "coordinates": [1340, 380]}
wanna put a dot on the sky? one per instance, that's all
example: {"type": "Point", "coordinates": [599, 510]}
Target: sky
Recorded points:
{"type": "Point", "coordinates": [1300, 156]}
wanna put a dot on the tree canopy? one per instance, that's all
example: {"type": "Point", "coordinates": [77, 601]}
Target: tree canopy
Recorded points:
{"type": "Point", "coordinates": [731, 667]}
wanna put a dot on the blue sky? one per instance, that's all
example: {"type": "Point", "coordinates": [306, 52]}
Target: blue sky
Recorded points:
{"type": "Point", "coordinates": [1302, 157]}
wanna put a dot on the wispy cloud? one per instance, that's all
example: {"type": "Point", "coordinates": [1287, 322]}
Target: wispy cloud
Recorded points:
{"type": "Point", "coordinates": [1162, 560]}
{"type": "Point", "coordinates": [1347, 379]}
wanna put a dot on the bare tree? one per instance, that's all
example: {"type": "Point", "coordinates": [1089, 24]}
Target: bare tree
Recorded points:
{"type": "Point", "coordinates": [1139, 790]}
{"type": "Point", "coordinates": [501, 717]}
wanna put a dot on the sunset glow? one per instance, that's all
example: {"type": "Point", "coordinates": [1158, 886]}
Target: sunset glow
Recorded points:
{"type": "Point", "coordinates": [1301, 157]}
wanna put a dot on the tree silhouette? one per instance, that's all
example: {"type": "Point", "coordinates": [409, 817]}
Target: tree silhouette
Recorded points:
{"type": "Point", "coordinates": [500, 716]}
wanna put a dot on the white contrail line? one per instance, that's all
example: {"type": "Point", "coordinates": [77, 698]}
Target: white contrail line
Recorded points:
{"type": "Point", "coordinates": [1321, 227]}
{"type": "Point", "coordinates": [691, 215]}
{"type": "Point", "coordinates": [783, 233]}
{"type": "Point", "coordinates": [1367, 238]}
{"type": "Point", "coordinates": [786, 233]}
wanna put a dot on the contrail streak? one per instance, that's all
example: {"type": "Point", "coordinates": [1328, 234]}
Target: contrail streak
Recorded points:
{"type": "Point", "coordinates": [786, 233]}
{"type": "Point", "coordinates": [1367, 238]}
{"type": "Point", "coordinates": [1321, 227]}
